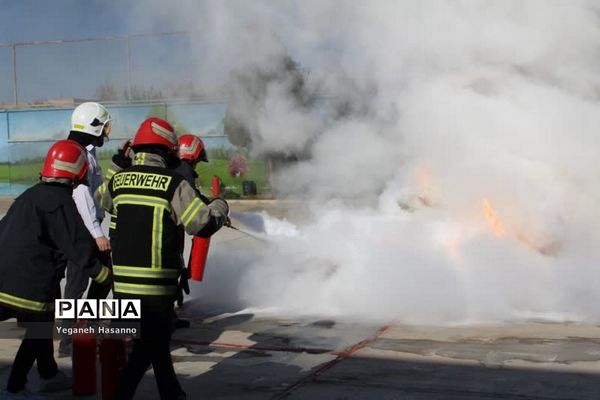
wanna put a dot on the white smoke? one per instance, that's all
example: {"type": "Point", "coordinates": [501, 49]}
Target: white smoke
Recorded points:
{"type": "Point", "coordinates": [456, 102]}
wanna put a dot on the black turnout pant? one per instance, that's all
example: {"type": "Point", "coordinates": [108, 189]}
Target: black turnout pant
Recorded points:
{"type": "Point", "coordinates": [37, 346]}
{"type": "Point", "coordinates": [153, 347]}
{"type": "Point", "coordinates": [78, 279]}
{"type": "Point", "coordinates": [76, 284]}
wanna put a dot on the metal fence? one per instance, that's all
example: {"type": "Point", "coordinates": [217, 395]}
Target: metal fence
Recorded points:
{"type": "Point", "coordinates": [135, 76]}
{"type": "Point", "coordinates": [136, 67]}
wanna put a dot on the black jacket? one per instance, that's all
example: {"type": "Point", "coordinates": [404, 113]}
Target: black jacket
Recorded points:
{"type": "Point", "coordinates": [152, 204]}
{"type": "Point", "coordinates": [40, 232]}
{"type": "Point", "coordinates": [186, 170]}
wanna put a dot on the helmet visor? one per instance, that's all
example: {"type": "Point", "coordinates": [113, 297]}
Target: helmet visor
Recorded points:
{"type": "Point", "coordinates": [107, 128]}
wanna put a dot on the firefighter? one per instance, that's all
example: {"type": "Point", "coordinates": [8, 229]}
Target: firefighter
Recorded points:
{"type": "Point", "coordinates": [90, 126]}
{"type": "Point", "coordinates": [120, 160]}
{"type": "Point", "coordinates": [151, 203]}
{"type": "Point", "coordinates": [191, 152]}
{"type": "Point", "coordinates": [41, 230]}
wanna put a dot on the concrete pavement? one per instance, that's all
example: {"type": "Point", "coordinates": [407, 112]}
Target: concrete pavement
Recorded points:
{"type": "Point", "coordinates": [244, 356]}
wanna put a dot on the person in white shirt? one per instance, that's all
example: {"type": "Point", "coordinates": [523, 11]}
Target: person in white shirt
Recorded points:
{"type": "Point", "coordinates": [90, 126]}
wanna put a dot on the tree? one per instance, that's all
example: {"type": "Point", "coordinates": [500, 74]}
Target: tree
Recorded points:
{"type": "Point", "coordinates": [138, 93]}
{"type": "Point", "coordinates": [237, 165]}
{"type": "Point", "coordinates": [107, 92]}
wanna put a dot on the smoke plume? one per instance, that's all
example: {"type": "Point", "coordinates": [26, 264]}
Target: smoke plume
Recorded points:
{"type": "Point", "coordinates": [450, 171]}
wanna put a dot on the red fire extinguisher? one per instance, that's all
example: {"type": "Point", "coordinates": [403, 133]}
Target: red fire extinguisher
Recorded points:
{"type": "Point", "coordinates": [198, 255]}
{"type": "Point", "coordinates": [216, 186]}
{"type": "Point", "coordinates": [84, 364]}
{"type": "Point", "coordinates": [113, 357]}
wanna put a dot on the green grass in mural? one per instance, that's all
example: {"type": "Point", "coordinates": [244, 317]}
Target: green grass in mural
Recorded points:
{"type": "Point", "coordinates": [21, 173]}
{"type": "Point", "coordinates": [28, 173]}
{"type": "Point", "coordinates": [233, 185]}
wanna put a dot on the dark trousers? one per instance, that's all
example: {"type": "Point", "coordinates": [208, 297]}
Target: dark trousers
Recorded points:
{"type": "Point", "coordinates": [76, 284]}
{"type": "Point", "coordinates": [37, 346]}
{"type": "Point", "coordinates": [78, 279]}
{"type": "Point", "coordinates": [153, 347]}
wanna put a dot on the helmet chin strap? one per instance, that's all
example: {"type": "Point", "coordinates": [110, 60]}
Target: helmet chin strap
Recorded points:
{"type": "Point", "coordinates": [61, 181]}
{"type": "Point", "coordinates": [100, 140]}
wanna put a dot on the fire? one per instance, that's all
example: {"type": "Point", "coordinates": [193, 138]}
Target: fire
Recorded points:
{"type": "Point", "coordinates": [492, 218]}
{"type": "Point", "coordinates": [542, 246]}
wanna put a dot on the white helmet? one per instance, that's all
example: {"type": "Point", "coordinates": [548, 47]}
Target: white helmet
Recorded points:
{"type": "Point", "coordinates": [90, 118]}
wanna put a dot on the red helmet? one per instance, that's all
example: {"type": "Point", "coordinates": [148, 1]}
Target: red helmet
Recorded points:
{"type": "Point", "coordinates": [156, 131]}
{"type": "Point", "coordinates": [191, 148]}
{"type": "Point", "coordinates": [66, 159]}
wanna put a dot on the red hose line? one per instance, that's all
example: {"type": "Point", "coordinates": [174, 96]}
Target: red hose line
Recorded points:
{"type": "Point", "coordinates": [310, 350]}
{"type": "Point", "coordinates": [342, 355]}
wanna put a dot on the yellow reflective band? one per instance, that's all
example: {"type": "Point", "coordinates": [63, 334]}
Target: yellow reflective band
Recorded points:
{"type": "Point", "coordinates": [112, 225]}
{"type": "Point", "coordinates": [157, 232]}
{"type": "Point", "coordinates": [102, 275]}
{"type": "Point", "coordinates": [191, 211]}
{"type": "Point", "coordinates": [159, 205]}
{"type": "Point", "coordinates": [143, 272]}
{"type": "Point", "coordinates": [141, 200]}
{"type": "Point", "coordinates": [140, 159]}
{"type": "Point", "coordinates": [148, 290]}
{"type": "Point", "coordinates": [109, 173]}
{"type": "Point", "coordinates": [25, 303]}
{"type": "Point", "coordinates": [102, 189]}
{"type": "Point", "coordinates": [78, 126]}
{"type": "Point", "coordinates": [141, 180]}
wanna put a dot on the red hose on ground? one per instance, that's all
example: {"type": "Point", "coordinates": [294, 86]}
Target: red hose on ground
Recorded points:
{"type": "Point", "coordinates": [342, 355]}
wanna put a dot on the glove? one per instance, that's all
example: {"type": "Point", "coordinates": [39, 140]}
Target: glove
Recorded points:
{"type": "Point", "coordinates": [123, 157]}
{"type": "Point", "coordinates": [220, 207]}
{"type": "Point", "coordinates": [183, 286]}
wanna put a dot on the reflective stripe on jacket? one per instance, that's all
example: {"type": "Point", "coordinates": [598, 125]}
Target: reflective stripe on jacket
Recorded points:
{"type": "Point", "coordinates": [151, 204]}
{"type": "Point", "coordinates": [40, 232]}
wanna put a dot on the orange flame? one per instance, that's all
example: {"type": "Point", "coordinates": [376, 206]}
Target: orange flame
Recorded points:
{"type": "Point", "coordinates": [492, 218]}
{"type": "Point", "coordinates": [546, 248]}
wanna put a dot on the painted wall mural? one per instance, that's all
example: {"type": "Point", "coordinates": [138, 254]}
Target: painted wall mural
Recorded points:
{"type": "Point", "coordinates": [26, 135]}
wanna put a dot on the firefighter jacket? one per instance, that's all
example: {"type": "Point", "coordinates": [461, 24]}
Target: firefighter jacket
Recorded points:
{"type": "Point", "coordinates": [186, 170]}
{"type": "Point", "coordinates": [40, 232]}
{"type": "Point", "coordinates": [112, 170]}
{"type": "Point", "coordinates": [151, 203]}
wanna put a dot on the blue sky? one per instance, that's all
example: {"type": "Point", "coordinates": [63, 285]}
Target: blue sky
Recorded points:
{"type": "Point", "coordinates": [77, 69]}
{"type": "Point", "coordinates": [164, 63]}
{"type": "Point", "coordinates": [30, 20]}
